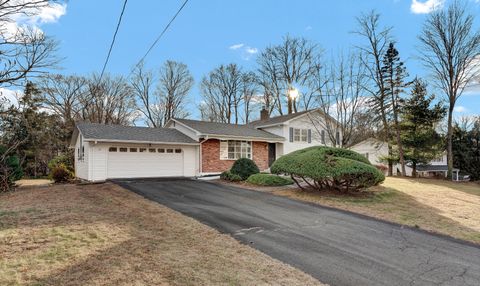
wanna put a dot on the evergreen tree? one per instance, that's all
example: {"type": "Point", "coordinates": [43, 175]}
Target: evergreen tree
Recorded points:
{"type": "Point", "coordinates": [420, 140]}
{"type": "Point", "coordinates": [466, 148]}
{"type": "Point", "coordinates": [394, 72]}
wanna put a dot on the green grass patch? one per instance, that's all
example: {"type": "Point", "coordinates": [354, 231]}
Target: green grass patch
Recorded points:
{"type": "Point", "coordinates": [269, 180]}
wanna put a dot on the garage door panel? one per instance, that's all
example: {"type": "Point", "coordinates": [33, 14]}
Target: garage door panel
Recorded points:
{"type": "Point", "coordinates": [144, 164]}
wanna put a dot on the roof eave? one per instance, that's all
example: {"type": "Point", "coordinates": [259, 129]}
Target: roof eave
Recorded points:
{"type": "Point", "coordinates": [250, 138]}
{"type": "Point", "coordinates": [139, 141]}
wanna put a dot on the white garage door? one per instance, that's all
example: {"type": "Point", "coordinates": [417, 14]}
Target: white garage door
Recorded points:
{"type": "Point", "coordinates": [139, 162]}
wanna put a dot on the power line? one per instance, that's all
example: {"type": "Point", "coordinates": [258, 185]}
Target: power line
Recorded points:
{"type": "Point", "coordinates": [160, 36]}
{"type": "Point", "coordinates": [113, 41]}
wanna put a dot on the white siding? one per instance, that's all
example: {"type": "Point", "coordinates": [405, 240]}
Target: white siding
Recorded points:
{"type": "Point", "coordinates": [81, 167]}
{"type": "Point", "coordinates": [375, 150]}
{"type": "Point", "coordinates": [98, 162]}
{"type": "Point", "coordinates": [305, 122]}
{"type": "Point", "coordinates": [183, 129]}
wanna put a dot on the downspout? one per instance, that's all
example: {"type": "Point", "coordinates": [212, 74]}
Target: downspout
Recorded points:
{"type": "Point", "coordinates": [200, 155]}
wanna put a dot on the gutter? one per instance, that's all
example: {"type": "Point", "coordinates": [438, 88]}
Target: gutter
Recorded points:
{"type": "Point", "coordinates": [138, 142]}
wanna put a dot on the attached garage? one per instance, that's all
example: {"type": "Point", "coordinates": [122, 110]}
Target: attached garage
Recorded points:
{"type": "Point", "coordinates": [136, 162]}
{"type": "Point", "coordinates": [111, 151]}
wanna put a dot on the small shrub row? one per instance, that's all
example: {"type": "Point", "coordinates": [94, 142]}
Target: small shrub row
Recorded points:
{"type": "Point", "coordinates": [263, 179]}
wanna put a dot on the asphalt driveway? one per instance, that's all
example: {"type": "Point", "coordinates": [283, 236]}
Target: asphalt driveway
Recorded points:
{"type": "Point", "coordinates": [336, 247]}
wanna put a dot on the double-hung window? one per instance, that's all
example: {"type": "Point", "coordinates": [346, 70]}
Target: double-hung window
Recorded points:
{"type": "Point", "coordinates": [235, 149]}
{"type": "Point", "coordinates": [300, 135]}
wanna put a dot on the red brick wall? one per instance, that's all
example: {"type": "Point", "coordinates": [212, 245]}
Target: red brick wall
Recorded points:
{"type": "Point", "coordinates": [211, 162]}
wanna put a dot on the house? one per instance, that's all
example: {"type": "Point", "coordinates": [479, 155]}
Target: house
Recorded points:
{"type": "Point", "coordinates": [376, 150]}
{"type": "Point", "coordinates": [190, 148]}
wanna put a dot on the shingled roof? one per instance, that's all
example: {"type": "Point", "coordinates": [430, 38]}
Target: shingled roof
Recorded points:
{"type": "Point", "coordinates": [102, 132]}
{"type": "Point", "coordinates": [277, 119]}
{"type": "Point", "coordinates": [227, 129]}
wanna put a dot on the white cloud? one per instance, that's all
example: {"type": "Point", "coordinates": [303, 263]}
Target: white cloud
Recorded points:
{"type": "Point", "coordinates": [425, 7]}
{"type": "Point", "coordinates": [245, 51]}
{"type": "Point", "coordinates": [460, 109]}
{"type": "Point", "coordinates": [12, 96]}
{"type": "Point", "coordinates": [250, 50]}
{"type": "Point", "coordinates": [32, 19]}
{"type": "Point", "coordinates": [308, 28]}
{"type": "Point", "coordinates": [236, 46]}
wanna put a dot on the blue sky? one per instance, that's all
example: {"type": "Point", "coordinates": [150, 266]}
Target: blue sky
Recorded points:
{"type": "Point", "coordinates": [205, 33]}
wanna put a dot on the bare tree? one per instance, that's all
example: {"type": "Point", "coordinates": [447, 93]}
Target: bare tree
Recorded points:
{"type": "Point", "coordinates": [143, 82]}
{"type": "Point", "coordinates": [23, 50]}
{"type": "Point", "coordinates": [175, 83]}
{"type": "Point", "coordinates": [450, 48]}
{"type": "Point", "coordinates": [164, 96]}
{"type": "Point", "coordinates": [339, 93]}
{"type": "Point", "coordinates": [109, 101]}
{"type": "Point", "coordinates": [222, 94]}
{"type": "Point", "coordinates": [285, 66]}
{"type": "Point", "coordinates": [250, 89]}
{"type": "Point", "coordinates": [377, 40]}
{"type": "Point", "coordinates": [61, 95]}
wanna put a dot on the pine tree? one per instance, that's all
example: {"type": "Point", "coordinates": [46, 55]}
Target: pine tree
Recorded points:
{"type": "Point", "coordinates": [395, 73]}
{"type": "Point", "coordinates": [420, 140]}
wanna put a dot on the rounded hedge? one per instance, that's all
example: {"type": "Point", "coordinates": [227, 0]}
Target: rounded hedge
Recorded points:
{"type": "Point", "coordinates": [268, 180]}
{"type": "Point", "coordinates": [328, 167]}
{"type": "Point", "coordinates": [244, 168]}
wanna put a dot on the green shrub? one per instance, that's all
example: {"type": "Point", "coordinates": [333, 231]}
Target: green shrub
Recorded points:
{"type": "Point", "coordinates": [66, 160]}
{"type": "Point", "coordinates": [244, 167]}
{"type": "Point", "coordinates": [61, 174]}
{"type": "Point", "coordinates": [268, 180]}
{"type": "Point", "coordinates": [327, 167]}
{"type": "Point", "coordinates": [228, 176]}
{"type": "Point", "coordinates": [10, 170]}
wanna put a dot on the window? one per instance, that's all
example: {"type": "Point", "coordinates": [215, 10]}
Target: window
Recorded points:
{"type": "Point", "coordinates": [161, 150]}
{"type": "Point", "coordinates": [323, 136]}
{"type": "Point", "coordinates": [169, 150]}
{"type": "Point", "coordinates": [178, 150]}
{"type": "Point", "coordinates": [112, 149]}
{"type": "Point", "coordinates": [233, 149]}
{"type": "Point", "coordinates": [300, 135]}
{"type": "Point", "coordinates": [337, 138]}
{"type": "Point", "coordinates": [152, 150]}
{"type": "Point", "coordinates": [142, 150]}
{"type": "Point", "coordinates": [133, 149]}
{"type": "Point", "coordinates": [123, 149]}
{"type": "Point", "coordinates": [81, 150]}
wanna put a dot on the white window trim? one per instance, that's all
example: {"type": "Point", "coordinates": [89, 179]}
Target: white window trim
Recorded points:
{"type": "Point", "coordinates": [300, 130]}
{"type": "Point", "coordinates": [225, 158]}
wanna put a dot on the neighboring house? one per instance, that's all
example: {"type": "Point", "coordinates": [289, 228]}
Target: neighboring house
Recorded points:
{"type": "Point", "coordinates": [375, 150]}
{"type": "Point", "coordinates": [189, 148]}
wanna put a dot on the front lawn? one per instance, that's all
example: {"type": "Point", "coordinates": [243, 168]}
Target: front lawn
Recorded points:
{"type": "Point", "coordinates": [440, 206]}
{"type": "Point", "coordinates": [105, 235]}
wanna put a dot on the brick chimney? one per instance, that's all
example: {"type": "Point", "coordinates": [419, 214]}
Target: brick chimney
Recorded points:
{"type": "Point", "coordinates": [264, 114]}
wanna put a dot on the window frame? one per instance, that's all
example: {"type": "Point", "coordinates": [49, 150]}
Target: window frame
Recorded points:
{"type": "Point", "coordinates": [236, 149]}
{"type": "Point", "coordinates": [302, 136]}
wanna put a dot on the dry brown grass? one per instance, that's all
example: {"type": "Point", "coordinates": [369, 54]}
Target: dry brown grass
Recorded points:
{"type": "Point", "coordinates": [33, 182]}
{"type": "Point", "coordinates": [439, 206]}
{"type": "Point", "coordinates": [105, 235]}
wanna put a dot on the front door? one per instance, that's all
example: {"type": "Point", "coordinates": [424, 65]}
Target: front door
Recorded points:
{"type": "Point", "coordinates": [272, 153]}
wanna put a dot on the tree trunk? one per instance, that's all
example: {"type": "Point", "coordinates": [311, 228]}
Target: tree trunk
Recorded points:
{"type": "Point", "coordinates": [289, 105]}
{"type": "Point", "coordinates": [414, 169]}
{"type": "Point", "coordinates": [399, 143]}
{"type": "Point", "coordinates": [449, 142]}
